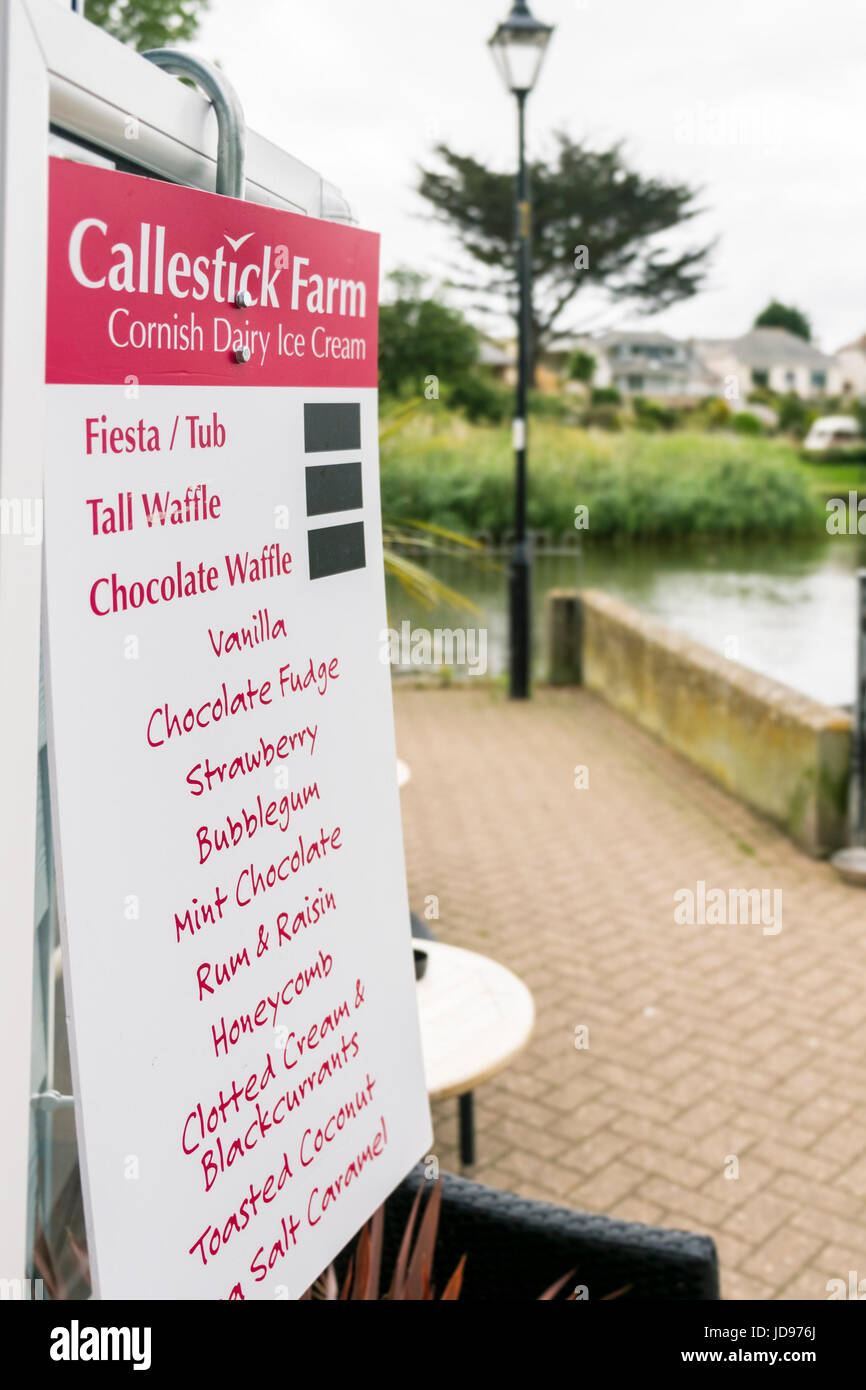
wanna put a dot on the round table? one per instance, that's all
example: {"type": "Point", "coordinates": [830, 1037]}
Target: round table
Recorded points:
{"type": "Point", "coordinates": [476, 1016]}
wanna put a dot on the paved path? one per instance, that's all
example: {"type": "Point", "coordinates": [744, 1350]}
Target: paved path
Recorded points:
{"type": "Point", "coordinates": [711, 1048]}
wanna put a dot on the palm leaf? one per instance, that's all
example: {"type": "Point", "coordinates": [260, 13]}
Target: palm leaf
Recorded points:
{"type": "Point", "coordinates": [425, 587]}
{"type": "Point", "coordinates": [448, 535]}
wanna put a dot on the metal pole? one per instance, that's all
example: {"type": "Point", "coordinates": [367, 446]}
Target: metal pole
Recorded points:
{"type": "Point", "coordinates": [520, 577]}
{"type": "Point", "coordinates": [231, 126]}
{"type": "Point", "coordinates": [858, 740]}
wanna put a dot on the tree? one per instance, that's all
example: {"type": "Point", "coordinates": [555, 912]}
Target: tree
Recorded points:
{"type": "Point", "coordinates": [147, 23]}
{"type": "Point", "coordinates": [794, 415]}
{"type": "Point", "coordinates": [596, 222]}
{"type": "Point", "coordinates": [778, 315]}
{"type": "Point", "coordinates": [422, 342]}
{"type": "Point", "coordinates": [581, 366]}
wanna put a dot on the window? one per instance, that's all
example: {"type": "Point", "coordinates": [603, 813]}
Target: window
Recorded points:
{"type": "Point", "coordinates": [634, 383]}
{"type": "Point", "coordinates": [656, 352]}
{"type": "Point", "coordinates": [760, 376]}
{"type": "Point", "coordinates": [819, 381]}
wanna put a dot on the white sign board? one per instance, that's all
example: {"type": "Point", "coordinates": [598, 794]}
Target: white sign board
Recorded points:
{"type": "Point", "coordinates": [247, 1062]}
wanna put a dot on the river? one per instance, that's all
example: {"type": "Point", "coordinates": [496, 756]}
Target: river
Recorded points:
{"type": "Point", "coordinates": [784, 608]}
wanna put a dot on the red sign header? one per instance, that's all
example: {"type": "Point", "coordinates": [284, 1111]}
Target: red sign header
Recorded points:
{"type": "Point", "coordinates": [153, 283]}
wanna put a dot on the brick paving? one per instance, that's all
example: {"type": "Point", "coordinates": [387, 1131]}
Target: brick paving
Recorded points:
{"type": "Point", "coordinates": [710, 1047]}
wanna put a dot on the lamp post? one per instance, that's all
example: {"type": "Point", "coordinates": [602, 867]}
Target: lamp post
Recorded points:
{"type": "Point", "coordinates": [518, 47]}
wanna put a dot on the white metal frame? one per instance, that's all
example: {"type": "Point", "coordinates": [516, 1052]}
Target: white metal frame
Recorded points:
{"type": "Point", "coordinates": [58, 73]}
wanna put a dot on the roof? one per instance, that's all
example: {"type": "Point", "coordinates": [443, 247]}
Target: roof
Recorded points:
{"type": "Point", "coordinates": [573, 342]}
{"type": "Point", "coordinates": [490, 354]}
{"type": "Point", "coordinates": [641, 337]}
{"type": "Point", "coordinates": [772, 347]}
{"type": "Point", "coordinates": [602, 342]}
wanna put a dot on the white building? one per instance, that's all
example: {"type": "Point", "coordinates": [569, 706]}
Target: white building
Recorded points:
{"type": "Point", "coordinates": [852, 364]}
{"type": "Point", "coordinates": [770, 357]}
{"type": "Point", "coordinates": [642, 364]}
{"type": "Point", "coordinates": [498, 358]}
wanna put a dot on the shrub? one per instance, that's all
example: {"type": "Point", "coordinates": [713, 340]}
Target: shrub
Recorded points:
{"type": "Point", "coordinates": [744, 422]}
{"type": "Point", "coordinates": [605, 395]}
{"type": "Point", "coordinates": [419, 336]}
{"type": "Point", "coordinates": [479, 399]}
{"type": "Point", "coordinates": [546, 407]}
{"type": "Point", "coordinates": [794, 415]}
{"type": "Point", "coordinates": [846, 453]}
{"type": "Point", "coordinates": [634, 483]}
{"type": "Point", "coordinates": [581, 366]}
{"type": "Point", "coordinates": [713, 413]}
{"type": "Point", "coordinates": [651, 415]}
{"type": "Point", "coordinates": [602, 417]}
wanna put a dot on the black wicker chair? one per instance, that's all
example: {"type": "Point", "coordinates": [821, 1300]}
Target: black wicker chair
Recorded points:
{"type": "Point", "coordinates": [517, 1248]}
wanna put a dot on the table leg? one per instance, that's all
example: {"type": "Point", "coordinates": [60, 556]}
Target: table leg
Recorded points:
{"type": "Point", "coordinates": [467, 1129]}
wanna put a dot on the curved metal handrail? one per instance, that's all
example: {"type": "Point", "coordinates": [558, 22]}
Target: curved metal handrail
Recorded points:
{"type": "Point", "coordinates": [231, 126]}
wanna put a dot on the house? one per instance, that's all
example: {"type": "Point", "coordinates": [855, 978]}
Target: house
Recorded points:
{"type": "Point", "coordinates": [770, 357]}
{"type": "Point", "coordinates": [654, 364]}
{"type": "Point", "coordinates": [641, 364]}
{"type": "Point", "coordinates": [499, 359]}
{"type": "Point", "coordinates": [852, 364]}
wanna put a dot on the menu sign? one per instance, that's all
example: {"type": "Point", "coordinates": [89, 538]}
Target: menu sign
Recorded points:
{"type": "Point", "coordinates": [247, 1063]}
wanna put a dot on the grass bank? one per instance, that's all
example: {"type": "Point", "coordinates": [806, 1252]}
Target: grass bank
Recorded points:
{"type": "Point", "coordinates": [438, 469]}
{"type": "Point", "coordinates": [834, 479]}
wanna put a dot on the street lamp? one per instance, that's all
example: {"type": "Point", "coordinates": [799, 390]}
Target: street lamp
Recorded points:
{"type": "Point", "coordinates": [518, 47]}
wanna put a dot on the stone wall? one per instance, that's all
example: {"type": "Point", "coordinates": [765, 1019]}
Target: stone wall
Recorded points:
{"type": "Point", "coordinates": [783, 754]}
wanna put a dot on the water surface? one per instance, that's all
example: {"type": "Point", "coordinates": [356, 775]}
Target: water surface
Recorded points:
{"type": "Point", "coordinates": [784, 608]}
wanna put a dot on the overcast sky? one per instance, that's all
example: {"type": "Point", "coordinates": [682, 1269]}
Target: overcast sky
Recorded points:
{"type": "Point", "coordinates": [762, 103]}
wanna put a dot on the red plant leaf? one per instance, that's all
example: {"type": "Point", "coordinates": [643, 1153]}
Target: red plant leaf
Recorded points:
{"type": "Point", "coordinates": [555, 1288]}
{"type": "Point", "coordinates": [362, 1265]}
{"type": "Point", "coordinates": [47, 1266]}
{"type": "Point", "coordinates": [326, 1289]}
{"type": "Point", "coordinates": [46, 1271]}
{"type": "Point", "coordinates": [421, 1263]}
{"type": "Point", "coordinates": [455, 1283]}
{"type": "Point", "coordinates": [80, 1256]}
{"type": "Point", "coordinates": [377, 1228]}
{"type": "Point", "coordinates": [399, 1277]}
